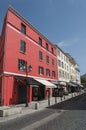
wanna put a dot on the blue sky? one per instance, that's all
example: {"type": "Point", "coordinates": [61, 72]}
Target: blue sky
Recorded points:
{"type": "Point", "coordinates": [63, 22]}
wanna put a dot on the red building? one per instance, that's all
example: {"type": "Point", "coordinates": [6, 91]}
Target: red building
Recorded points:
{"type": "Point", "coordinates": [27, 58]}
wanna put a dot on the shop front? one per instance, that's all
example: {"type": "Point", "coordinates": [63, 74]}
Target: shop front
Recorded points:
{"type": "Point", "coordinates": [35, 90]}
{"type": "Point", "coordinates": [43, 90]}
{"type": "Point", "coordinates": [61, 88]}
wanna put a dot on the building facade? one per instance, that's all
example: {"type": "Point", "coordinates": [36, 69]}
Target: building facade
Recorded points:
{"type": "Point", "coordinates": [78, 81]}
{"type": "Point", "coordinates": [27, 58]}
{"type": "Point", "coordinates": [30, 65]}
{"type": "Point", "coordinates": [63, 65]}
{"type": "Point", "coordinates": [74, 70]}
{"type": "Point", "coordinates": [68, 71]}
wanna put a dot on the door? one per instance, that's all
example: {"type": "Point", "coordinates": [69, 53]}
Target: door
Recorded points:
{"type": "Point", "coordinates": [35, 93]}
{"type": "Point", "coordinates": [21, 94]}
{"type": "Point", "coordinates": [41, 92]}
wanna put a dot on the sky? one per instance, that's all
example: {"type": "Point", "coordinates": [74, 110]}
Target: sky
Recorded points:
{"type": "Point", "coordinates": [63, 22]}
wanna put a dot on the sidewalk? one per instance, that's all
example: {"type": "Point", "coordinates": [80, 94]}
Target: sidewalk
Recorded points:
{"type": "Point", "coordinates": [38, 106]}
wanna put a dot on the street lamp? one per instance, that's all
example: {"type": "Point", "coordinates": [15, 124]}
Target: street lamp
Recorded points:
{"type": "Point", "coordinates": [28, 69]}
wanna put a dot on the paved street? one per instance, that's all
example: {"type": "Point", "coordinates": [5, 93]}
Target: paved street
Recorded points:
{"type": "Point", "coordinates": [68, 115]}
{"type": "Point", "coordinates": [73, 118]}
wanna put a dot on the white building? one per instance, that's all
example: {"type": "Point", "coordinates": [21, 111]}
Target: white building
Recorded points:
{"type": "Point", "coordinates": [68, 69]}
{"type": "Point", "coordinates": [63, 65]}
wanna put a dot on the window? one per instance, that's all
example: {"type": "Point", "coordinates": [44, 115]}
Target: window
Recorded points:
{"type": "Point", "coordinates": [67, 68]}
{"type": "Point", "coordinates": [47, 48]}
{"type": "Point", "coordinates": [52, 50]}
{"type": "Point", "coordinates": [68, 76]}
{"type": "Point", "coordinates": [58, 53]}
{"type": "Point", "coordinates": [62, 55]}
{"type": "Point", "coordinates": [47, 59]}
{"type": "Point", "coordinates": [59, 73]}
{"type": "Point", "coordinates": [22, 65]}
{"type": "Point", "coordinates": [40, 41]}
{"type": "Point", "coordinates": [66, 59]}
{"type": "Point", "coordinates": [63, 74]}
{"type": "Point", "coordinates": [53, 62]}
{"type": "Point", "coordinates": [23, 28]}
{"type": "Point", "coordinates": [22, 46]}
{"type": "Point", "coordinates": [41, 70]}
{"type": "Point", "coordinates": [47, 72]}
{"type": "Point", "coordinates": [62, 65]}
{"type": "Point", "coordinates": [40, 55]}
{"type": "Point", "coordinates": [59, 63]}
{"type": "Point", "coordinates": [53, 74]}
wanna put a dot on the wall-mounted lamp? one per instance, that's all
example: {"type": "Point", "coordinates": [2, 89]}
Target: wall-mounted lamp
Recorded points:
{"type": "Point", "coordinates": [29, 68]}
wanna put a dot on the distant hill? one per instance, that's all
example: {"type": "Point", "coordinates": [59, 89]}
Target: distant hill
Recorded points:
{"type": "Point", "coordinates": [84, 76]}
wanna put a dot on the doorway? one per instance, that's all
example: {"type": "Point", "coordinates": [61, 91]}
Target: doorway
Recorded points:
{"type": "Point", "coordinates": [38, 93]}
{"type": "Point", "coordinates": [21, 94]}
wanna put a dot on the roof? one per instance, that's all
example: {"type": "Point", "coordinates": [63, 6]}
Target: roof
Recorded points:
{"type": "Point", "coordinates": [28, 23]}
{"type": "Point", "coordinates": [71, 59]}
{"type": "Point", "coordinates": [60, 49]}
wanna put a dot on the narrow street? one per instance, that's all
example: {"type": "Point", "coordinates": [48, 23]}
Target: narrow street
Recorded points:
{"type": "Point", "coordinates": [68, 115]}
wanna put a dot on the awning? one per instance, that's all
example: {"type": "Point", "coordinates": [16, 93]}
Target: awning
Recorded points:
{"type": "Point", "coordinates": [59, 82]}
{"type": "Point", "coordinates": [36, 86]}
{"type": "Point", "coordinates": [35, 82]}
{"type": "Point", "coordinates": [71, 84]}
{"type": "Point", "coordinates": [62, 83]}
{"type": "Point", "coordinates": [46, 83]}
{"type": "Point", "coordinates": [81, 86]}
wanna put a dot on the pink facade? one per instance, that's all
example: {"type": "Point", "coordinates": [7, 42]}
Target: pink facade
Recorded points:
{"type": "Point", "coordinates": [16, 48]}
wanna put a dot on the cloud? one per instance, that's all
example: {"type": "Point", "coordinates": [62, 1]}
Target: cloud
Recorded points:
{"type": "Point", "coordinates": [70, 42]}
{"type": "Point", "coordinates": [62, 44]}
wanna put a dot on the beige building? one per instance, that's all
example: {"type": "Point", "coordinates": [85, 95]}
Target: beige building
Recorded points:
{"type": "Point", "coordinates": [74, 72]}
{"type": "Point", "coordinates": [78, 81]}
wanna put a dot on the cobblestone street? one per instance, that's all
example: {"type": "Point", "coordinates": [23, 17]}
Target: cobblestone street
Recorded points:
{"type": "Point", "coordinates": [68, 115]}
{"type": "Point", "coordinates": [73, 118]}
